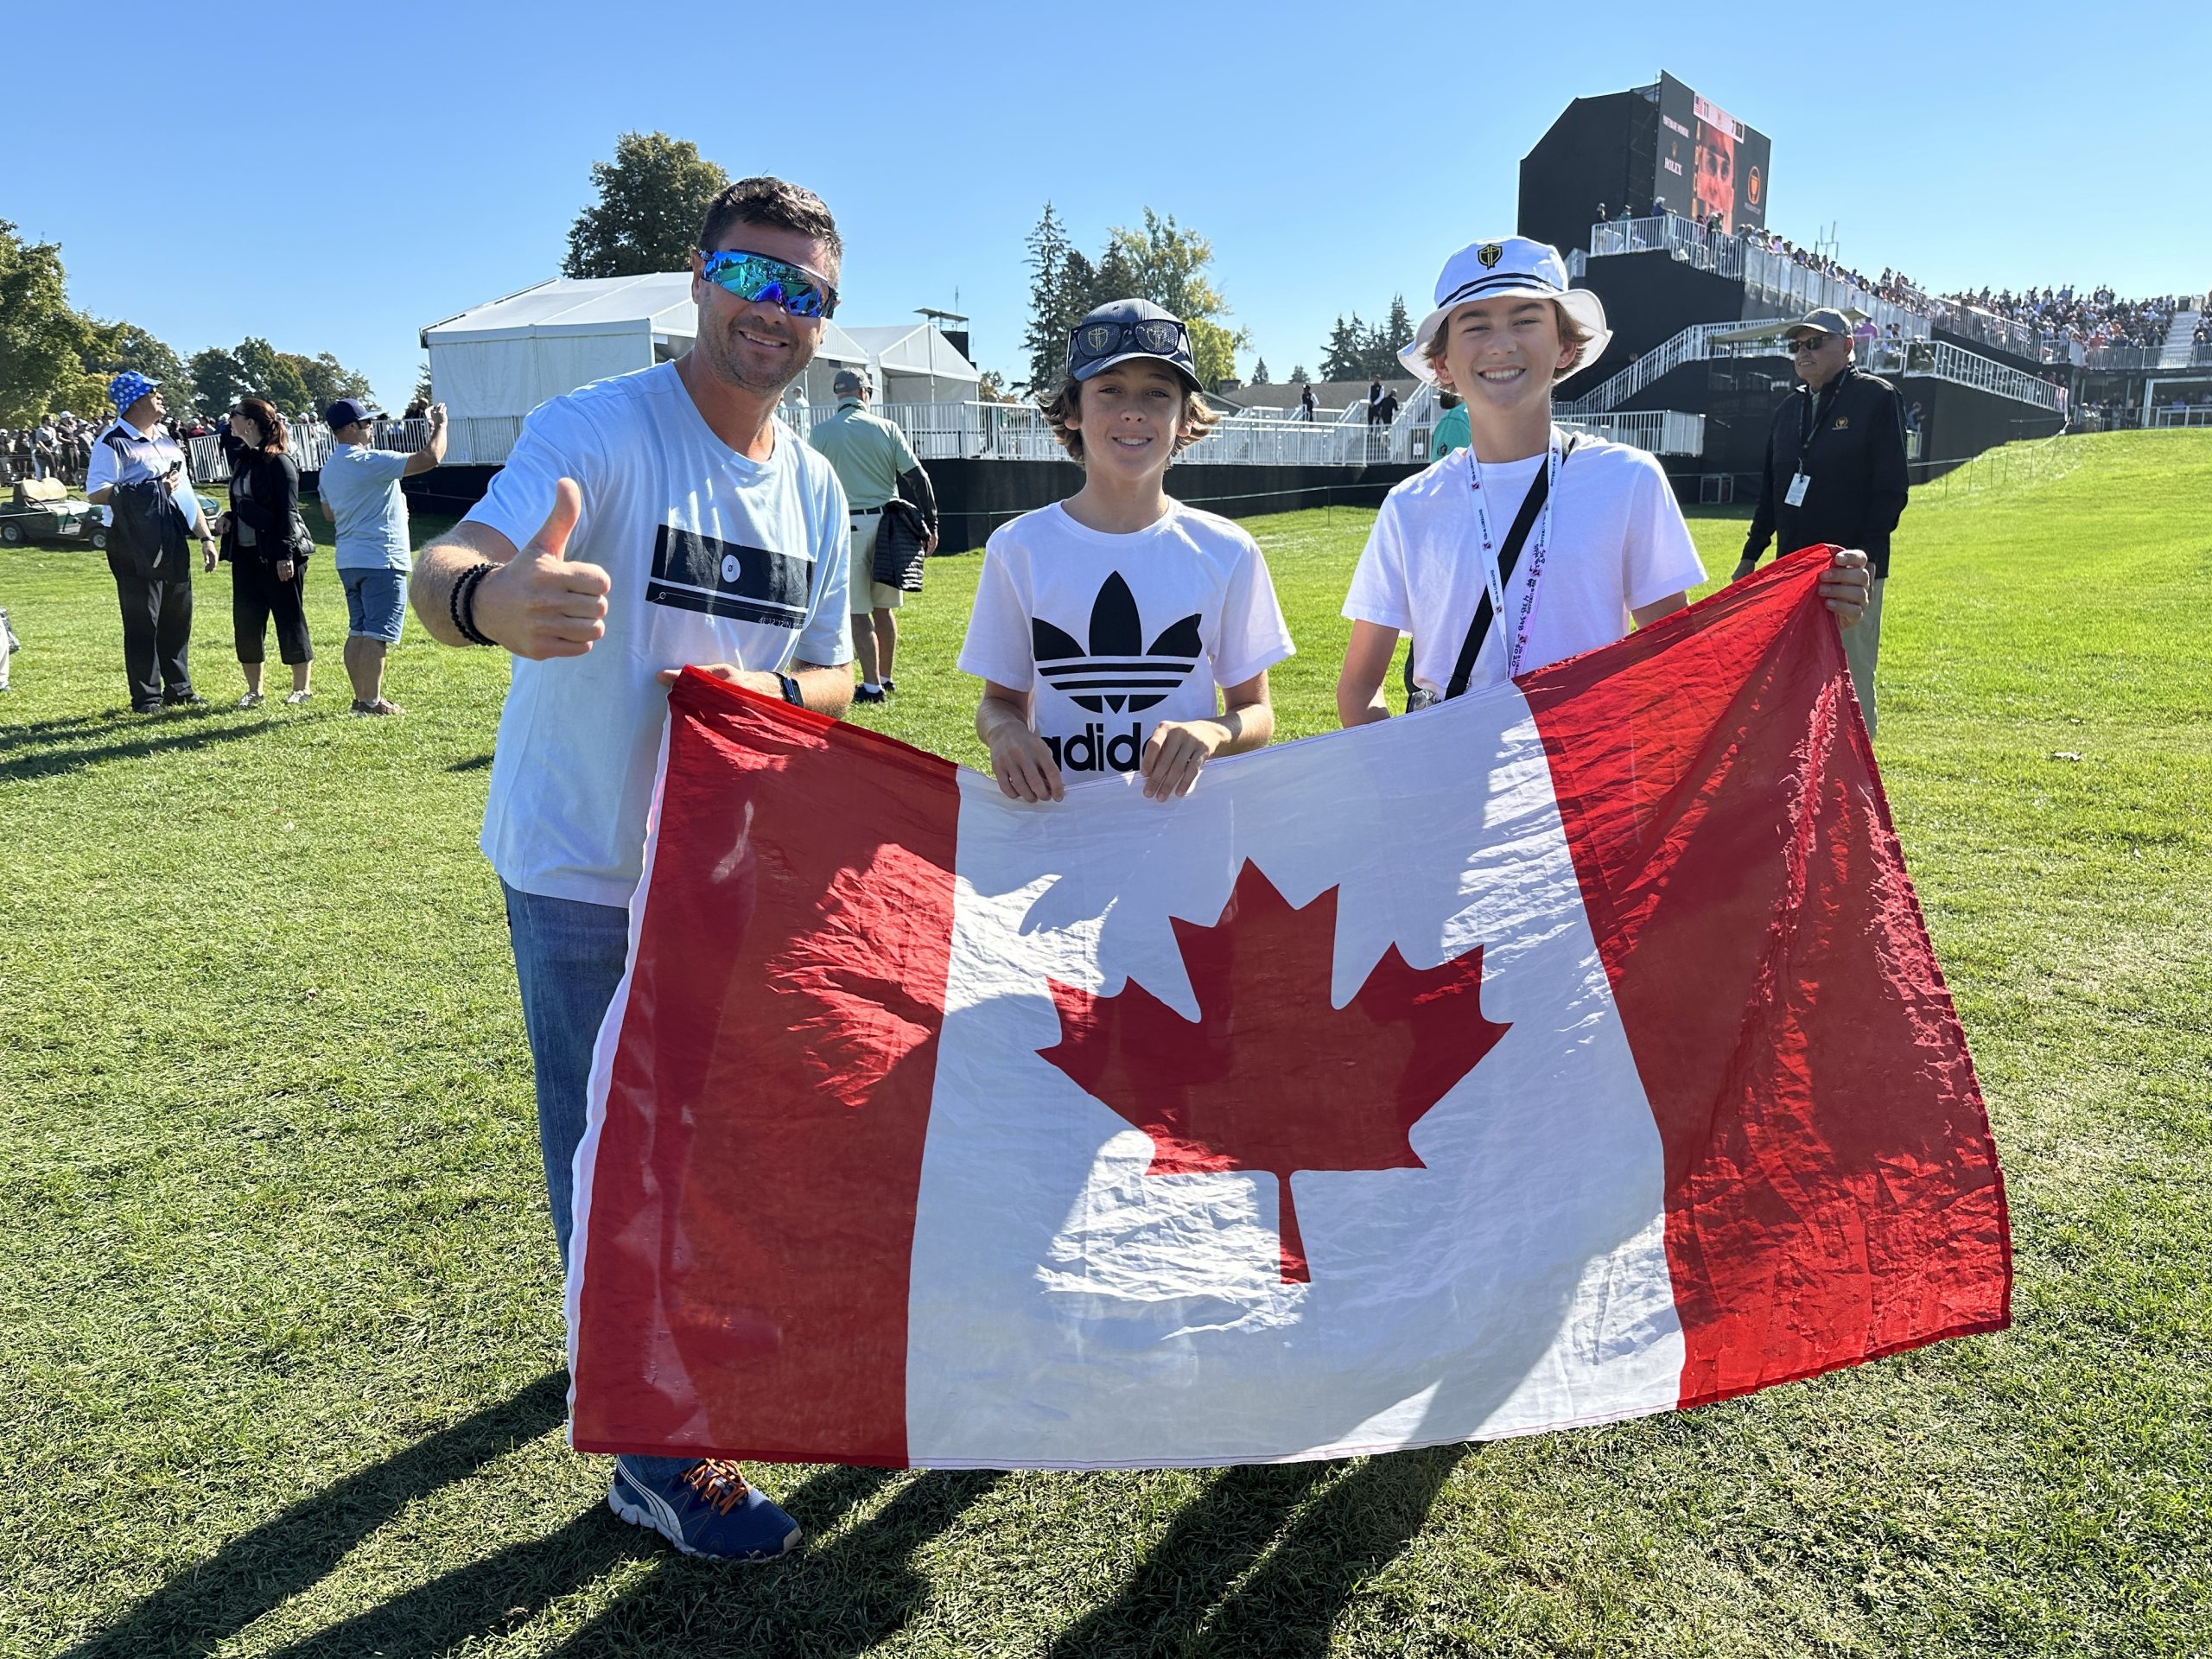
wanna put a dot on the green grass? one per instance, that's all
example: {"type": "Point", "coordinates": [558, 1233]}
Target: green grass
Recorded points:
{"type": "Point", "coordinates": [279, 1326]}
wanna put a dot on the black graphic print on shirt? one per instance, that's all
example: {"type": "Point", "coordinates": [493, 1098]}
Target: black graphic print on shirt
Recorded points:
{"type": "Point", "coordinates": [695, 572]}
{"type": "Point", "coordinates": [1117, 670]}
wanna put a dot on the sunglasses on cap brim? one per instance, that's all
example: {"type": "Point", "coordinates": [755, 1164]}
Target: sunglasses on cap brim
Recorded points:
{"type": "Point", "coordinates": [760, 279]}
{"type": "Point", "coordinates": [1160, 336]}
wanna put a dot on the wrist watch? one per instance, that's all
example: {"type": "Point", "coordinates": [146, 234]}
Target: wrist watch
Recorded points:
{"type": "Point", "coordinates": [789, 687]}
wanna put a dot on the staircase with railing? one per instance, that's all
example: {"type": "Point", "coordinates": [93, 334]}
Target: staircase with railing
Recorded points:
{"type": "Point", "coordinates": [1700, 340]}
{"type": "Point", "coordinates": [2180, 340]}
{"type": "Point", "coordinates": [1773, 276]}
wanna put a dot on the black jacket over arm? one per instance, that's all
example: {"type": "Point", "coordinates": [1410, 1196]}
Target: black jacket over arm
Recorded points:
{"type": "Point", "coordinates": [1856, 462]}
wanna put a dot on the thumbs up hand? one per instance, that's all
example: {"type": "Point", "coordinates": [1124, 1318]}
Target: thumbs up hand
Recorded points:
{"type": "Point", "coordinates": [539, 604]}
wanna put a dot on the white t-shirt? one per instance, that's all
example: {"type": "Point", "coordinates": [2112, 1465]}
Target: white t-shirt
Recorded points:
{"type": "Point", "coordinates": [714, 558]}
{"type": "Point", "coordinates": [1113, 635]}
{"type": "Point", "coordinates": [1617, 543]}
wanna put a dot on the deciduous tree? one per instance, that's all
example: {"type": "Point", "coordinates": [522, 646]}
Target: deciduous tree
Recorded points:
{"type": "Point", "coordinates": [652, 199]}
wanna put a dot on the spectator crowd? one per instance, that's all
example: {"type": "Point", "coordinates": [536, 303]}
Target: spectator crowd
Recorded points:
{"type": "Point", "coordinates": [2093, 319]}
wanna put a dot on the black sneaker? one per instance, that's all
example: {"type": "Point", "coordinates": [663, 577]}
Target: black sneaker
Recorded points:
{"type": "Point", "coordinates": [863, 694]}
{"type": "Point", "coordinates": [889, 685]}
{"type": "Point", "coordinates": [184, 700]}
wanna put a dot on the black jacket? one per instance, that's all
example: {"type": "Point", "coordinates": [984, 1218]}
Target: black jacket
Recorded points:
{"type": "Point", "coordinates": [265, 495]}
{"type": "Point", "coordinates": [1855, 458]}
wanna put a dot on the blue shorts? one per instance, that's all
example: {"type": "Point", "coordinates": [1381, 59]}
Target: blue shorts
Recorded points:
{"type": "Point", "coordinates": [376, 603]}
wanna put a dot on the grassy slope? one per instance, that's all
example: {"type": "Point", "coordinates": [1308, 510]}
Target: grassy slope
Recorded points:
{"type": "Point", "coordinates": [279, 1333]}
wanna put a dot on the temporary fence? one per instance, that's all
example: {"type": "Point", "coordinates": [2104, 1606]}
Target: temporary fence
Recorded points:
{"type": "Point", "coordinates": [308, 444]}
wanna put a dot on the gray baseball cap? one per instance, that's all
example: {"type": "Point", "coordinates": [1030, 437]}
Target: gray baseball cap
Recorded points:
{"type": "Point", "coordinates": [1825, 321]}
{"type": "Point", "coordinates": [849, 383]}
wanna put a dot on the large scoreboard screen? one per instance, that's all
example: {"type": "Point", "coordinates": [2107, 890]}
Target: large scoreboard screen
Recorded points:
{"type": "Point", "coordinates": [1709, 161]}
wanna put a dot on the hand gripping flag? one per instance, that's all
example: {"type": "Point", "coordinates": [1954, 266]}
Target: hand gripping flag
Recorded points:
{"type": "Point", "coordinates": [1572, 1051]}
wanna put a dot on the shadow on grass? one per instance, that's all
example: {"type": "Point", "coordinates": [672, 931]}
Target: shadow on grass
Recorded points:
{"type": "Point", "coordinates": [1181, 1600]}
{"type": "Point", "coordinates": [202, 1609]}
{"type": "Point", "coordinates": [136, 742]}
{"type": "Point", "coordinates": [474, 763]}
{"type": "Point", "coordinates": [836, 1600]}
{"type": "Point", "coordinates": [47, 731]}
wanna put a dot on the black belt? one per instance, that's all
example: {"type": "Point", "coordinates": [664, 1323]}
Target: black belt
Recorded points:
{"type": "Point", "coordinates": [863, 513]}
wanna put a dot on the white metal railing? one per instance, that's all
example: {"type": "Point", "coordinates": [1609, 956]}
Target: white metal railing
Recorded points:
{"type": "Point", "coordinates": [2174, 416]}
{"type": "Point", "coordinates": [1661, 431]}
{"type": "Point", "coordinates": [1690, 346]}
{"type": "Point", "coordinates": [310, 446]}
{"type": "Point", "coordinates": [1776, 275]}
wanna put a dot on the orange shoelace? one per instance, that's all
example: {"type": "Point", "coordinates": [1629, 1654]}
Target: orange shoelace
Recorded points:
{"type": "Point", "coordinates": [718, 1482]}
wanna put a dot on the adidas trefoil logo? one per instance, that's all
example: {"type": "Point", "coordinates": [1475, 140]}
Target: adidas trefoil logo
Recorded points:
{"type": "Point", "coordinates": [1118, 670]}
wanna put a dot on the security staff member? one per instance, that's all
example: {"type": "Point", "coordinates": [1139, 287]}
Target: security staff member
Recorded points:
{"type": "Point", "coordinates": [1835, 472]}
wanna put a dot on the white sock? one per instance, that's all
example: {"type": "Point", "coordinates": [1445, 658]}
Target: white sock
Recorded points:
{"type": "Point", "coordinates": [870, 685]}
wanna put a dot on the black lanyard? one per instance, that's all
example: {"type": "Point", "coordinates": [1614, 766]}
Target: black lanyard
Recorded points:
{"type": "Point", "coordinates": [1818, 407]}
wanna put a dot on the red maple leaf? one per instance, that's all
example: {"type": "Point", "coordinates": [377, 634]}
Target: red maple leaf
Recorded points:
{"type": "Point", "coordinates": [1271, 1077]}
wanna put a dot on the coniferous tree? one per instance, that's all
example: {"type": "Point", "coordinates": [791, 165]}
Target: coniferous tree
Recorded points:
{"type": "Point", "coordinates": [1260, 373]}
{"type": "Point", "coordinates": [1045, 342]}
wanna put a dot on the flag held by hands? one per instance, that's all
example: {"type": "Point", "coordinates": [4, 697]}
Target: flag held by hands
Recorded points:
{"type": "Point", "coordinates": [1570, 1051]}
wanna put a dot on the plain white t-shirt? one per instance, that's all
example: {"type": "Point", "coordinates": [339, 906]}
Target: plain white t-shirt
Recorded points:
{"type": "Point", "coordinates": [1113, 635]}
{"type": "Point", "coordinates": [1617, 543]}
{"type": "Point", "coordinates": [714, 558]}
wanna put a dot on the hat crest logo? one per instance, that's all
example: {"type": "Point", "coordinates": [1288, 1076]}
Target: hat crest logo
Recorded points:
{"type": "Point", "coordinates": [1489, 254]}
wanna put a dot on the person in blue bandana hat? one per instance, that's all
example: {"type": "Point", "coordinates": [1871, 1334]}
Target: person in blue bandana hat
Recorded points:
{"type": "Point", "coordinates": [157, 608]}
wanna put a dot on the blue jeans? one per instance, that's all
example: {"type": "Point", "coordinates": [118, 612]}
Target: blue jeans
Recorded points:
{"type": "Point", "coordinates": [376, 603]}
{"type": "Point", "coordinates": [569, 958]}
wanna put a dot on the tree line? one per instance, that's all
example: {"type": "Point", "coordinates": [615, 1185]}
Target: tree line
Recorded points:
{"type": "Point", "coordinates": [1160, 261]}
{"type": "Point", "coordinates": [53, 357]}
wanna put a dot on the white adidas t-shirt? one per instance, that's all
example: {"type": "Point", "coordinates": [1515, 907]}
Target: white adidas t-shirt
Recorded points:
{"type": "Point", "coordinates": [714, 558]}
{"type": "Point", "coordinates": [1617, 543]}
{"type": "Point", "coordinates": [1113, 634]}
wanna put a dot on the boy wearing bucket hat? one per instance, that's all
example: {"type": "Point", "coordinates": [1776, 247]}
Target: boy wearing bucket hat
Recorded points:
{"type": "Point", "coordinates": [1532, 544]}
{"type": "Point", "coordinates": [1104, 624]}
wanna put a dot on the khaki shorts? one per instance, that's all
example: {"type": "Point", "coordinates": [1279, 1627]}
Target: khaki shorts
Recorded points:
{"type": "Point", "coordinates": [865, 595]}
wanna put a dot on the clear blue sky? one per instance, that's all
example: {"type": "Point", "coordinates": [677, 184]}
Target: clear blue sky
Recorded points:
{"type": "Point", "coordinates": [357, 174]}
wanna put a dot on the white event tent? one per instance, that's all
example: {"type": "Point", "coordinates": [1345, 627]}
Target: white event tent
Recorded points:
{"type": "Point", "coordinates": [493, 364]}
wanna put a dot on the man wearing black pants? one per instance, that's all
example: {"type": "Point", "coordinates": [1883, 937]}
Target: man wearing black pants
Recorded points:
{"type": "Point", "coordinates": [156, 606]}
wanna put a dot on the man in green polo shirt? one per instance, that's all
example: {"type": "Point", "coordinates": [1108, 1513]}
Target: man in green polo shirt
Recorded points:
{"type": "Point", "coordinates": [875, 464]}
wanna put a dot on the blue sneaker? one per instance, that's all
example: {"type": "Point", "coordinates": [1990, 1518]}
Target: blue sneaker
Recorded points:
{"type": "Point", "coordinates": [703, 1509]}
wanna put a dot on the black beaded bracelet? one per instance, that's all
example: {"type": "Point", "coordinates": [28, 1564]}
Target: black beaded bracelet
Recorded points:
{"type": "Point", "coordinates": [462, 604]}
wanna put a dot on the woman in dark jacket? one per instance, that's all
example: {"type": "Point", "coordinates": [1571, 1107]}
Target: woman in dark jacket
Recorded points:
{"type": "Point", "coordinates": [267, 566]}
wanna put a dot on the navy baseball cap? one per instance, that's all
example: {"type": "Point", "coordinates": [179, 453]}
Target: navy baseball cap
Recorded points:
{"type": "Point", "coordinates": [344, 412]}
{"type": "Point", "coordinates": [1123, 329]}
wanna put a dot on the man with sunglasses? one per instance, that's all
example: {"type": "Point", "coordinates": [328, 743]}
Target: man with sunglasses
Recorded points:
{"type": "Point", "coordinates": [1834, 473]}
{"type": "Point", "coordinates": [643, 523]}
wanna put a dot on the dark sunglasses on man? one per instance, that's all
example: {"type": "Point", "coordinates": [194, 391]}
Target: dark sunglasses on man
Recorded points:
{"type": "Point", "coordinates": [1803, 343]}
{"type": "Point", "coordinates": [760, 279]}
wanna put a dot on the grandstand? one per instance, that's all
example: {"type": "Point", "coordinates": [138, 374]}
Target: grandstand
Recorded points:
{"type": "Point", "coordinates": [1697, 290]}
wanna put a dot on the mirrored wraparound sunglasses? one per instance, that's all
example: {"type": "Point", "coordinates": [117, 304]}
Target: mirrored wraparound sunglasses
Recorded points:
{"type": "Point", "coordinates": [759, 279]}
{"type": "Point", "coordinates": [1809, 343]}
{"type": "Point", "coordinates": [1161, 336]}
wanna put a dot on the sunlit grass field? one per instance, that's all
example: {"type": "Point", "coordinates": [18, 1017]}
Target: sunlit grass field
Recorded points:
{"type": "Point", "coordinates": [280, 1339]}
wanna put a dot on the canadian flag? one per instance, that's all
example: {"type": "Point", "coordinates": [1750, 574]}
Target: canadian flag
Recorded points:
{"type": "Point", "coordinates": [1570, 1051]}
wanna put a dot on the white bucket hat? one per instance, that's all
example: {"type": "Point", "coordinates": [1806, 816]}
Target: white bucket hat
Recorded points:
{"type": "Point", "coordinates": [1511, 266]}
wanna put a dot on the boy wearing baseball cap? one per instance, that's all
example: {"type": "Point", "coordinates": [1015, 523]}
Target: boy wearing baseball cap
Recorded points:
{"type": "Point", "coordinates": [1531, 544]}
{"type": "Point", "coordinates": [1104, 623]}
